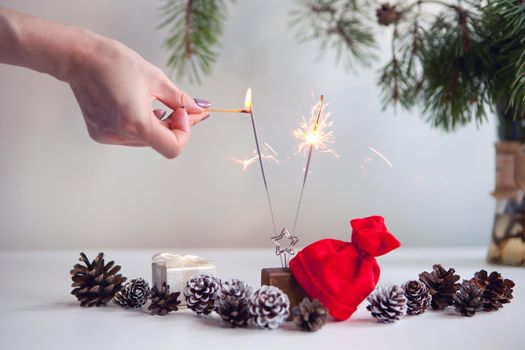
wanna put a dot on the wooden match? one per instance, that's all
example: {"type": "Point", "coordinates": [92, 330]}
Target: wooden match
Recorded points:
{"type": "Point", "coordinates": [224, 110]}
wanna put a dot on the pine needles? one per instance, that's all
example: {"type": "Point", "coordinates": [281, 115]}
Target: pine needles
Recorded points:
{"type": "Point", "coordinates": [455, 66]}
{"type": "Point", "coordinates": [194, 28]}
{"type": "Point", "coordinates": [342, 25]}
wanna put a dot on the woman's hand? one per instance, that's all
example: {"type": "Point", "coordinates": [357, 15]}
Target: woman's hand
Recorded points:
{"type": "Point", "coordinates": [115, 88]}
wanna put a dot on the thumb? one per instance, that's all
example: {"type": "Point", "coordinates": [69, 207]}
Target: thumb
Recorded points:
{"type": "Point", "coordinates": [170, 141]}
{"type": "Point", "coordinates": [173, 97]}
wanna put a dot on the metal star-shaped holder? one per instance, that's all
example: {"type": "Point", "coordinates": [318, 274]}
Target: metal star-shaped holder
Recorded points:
{"type": "Point", "coordinates": [286, 251]}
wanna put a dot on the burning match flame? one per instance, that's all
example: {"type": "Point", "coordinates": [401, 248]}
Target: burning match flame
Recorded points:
{"type": "Point", "coordinates": [248, 100]}
{"type": "Point", "coordinates": [246, 110]}
{"type": "Point", "coordinates": [316, 132]}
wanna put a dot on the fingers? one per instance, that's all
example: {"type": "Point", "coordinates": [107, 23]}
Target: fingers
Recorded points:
{"type": "Point", "coordinates": [169, 141]}
{"type": "Point", "coordinates": [164, 117]}
{"type": "Point", "coordinates": [173, 97]}
{"type": "Point", "coordinates": [197, 118]}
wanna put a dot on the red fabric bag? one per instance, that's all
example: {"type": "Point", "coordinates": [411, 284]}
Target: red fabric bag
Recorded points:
{"type": "Point", "coordinates": [342, 274]}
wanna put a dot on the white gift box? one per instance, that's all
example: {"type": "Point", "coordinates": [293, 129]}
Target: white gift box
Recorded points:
{"type": "Point", "coordinates": [176, 270]}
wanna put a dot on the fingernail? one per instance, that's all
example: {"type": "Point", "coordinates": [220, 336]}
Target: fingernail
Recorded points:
{"type": "Point", "coordinates": [159, 113]}
{"type": "Point", "coordinates": [206, 117]}
{"type": "Point", "coordinates": [202, 103]}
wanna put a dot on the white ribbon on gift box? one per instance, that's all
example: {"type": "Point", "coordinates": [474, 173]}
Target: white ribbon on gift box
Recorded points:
{"type": "Point", "coordinates": [175, 260]}
{"type": "Point", "coordinates": [176, 269]}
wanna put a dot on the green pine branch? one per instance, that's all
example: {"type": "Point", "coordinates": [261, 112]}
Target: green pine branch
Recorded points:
{"type": "Point", "coordinates": [514, 17]}
{"type": "Point", "coordinates": [455, 66]}
{"type": "Point", "coordinates": [342, 25]}
{"type": "Point", "coordinates": [194, 28]}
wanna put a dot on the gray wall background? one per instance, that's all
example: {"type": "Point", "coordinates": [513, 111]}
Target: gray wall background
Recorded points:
{"type": "Point", "coordinates": [59, 189]}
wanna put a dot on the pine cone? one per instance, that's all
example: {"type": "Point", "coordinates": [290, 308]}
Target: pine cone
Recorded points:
{"type": "Point", "coordinates": [496, 290]}
{"type": "Point", "coordinates": [269, 307]}
{"type": "Point", "coordinates": [387, 304]}
{"type": "Point", "coordinates": [442, 285]}
{"type": "Point", "coordinates": [200, 293]}
{"type": "Point", "coordinates": [134, 294]}
{"type": "Point", "coordinates": [468, 300]}
{"type": "Point", "coordinates": [95, 283]}
{"type": "Point", "coordinates": [162, 301]}
{"type": "Point", "coordinates": [232, 302]}
{"type": "Point", "coordinates": [310, 315]}
{"type": "Point", "coordinates": [418, 297]}
{"type": "Point", "coordinates": [387, 14]}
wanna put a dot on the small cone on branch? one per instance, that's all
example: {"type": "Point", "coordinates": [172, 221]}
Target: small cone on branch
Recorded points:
{"type": "Point", "coordinates": [497, 291]}
{"type": "Point", "coordinates": [310, 315]}
{"type": "Point", "coordinates": [418, 297]}
{"type": "Point", "coordinates": [134, 294]}
{"type": "Point", "coordinates": [162, 301]}
{"type": "Point", "coordinates": [232, 302]}
{"type": "Point", "coordinates": [96, 283]}
{"type": "Point", "coordinates": [387, 14]}
{"type": "Point", "coordinates": [442, 285]}
{"type": "Point", "coordinates": [200, 293]}
{"type": "Point", "coordinates": [387, 304]}
{"type": "Point", "coordinates": [468, 300]}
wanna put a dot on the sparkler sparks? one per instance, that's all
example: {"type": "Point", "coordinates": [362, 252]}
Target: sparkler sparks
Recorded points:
{"type": "Point", "coordinates": [268, 153]}
{"type": "Point", "coordinates": [313, 134]}
{"type": "Point", "coordinates": [246, 162]}
{"type": "Point", "coordinates": [381, 156]}
{"type": "Point", "coordinates": [316, 132]}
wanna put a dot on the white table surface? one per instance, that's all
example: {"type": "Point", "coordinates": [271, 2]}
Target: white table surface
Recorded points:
{"type": "Point", "coordinates": [37, 311]}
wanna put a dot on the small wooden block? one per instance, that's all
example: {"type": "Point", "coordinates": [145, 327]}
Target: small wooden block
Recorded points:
{"type": "Point", "coordinates": [283, 279]}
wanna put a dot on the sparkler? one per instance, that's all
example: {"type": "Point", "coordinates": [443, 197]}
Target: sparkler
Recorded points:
{"type": "Point", "coordinates": [314, 134]}
{"type": "Point", "coordinates": [248, 109]}
{"type": "Point", "coordinates": [315, 131]}
{"type": "Point", "coordinates": [248, 106]}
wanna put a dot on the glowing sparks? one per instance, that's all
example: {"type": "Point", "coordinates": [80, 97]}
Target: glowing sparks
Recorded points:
{"type": "Point", "coordinates": [270, 148]}
{"type": "Point", "coordinates": [248, 100]}
{"type": "Point", "coordinates": [246, 162]}
{"type": "Point", "coordinates": [268, 154]}
{"type": "Point", "coordinates": [316, 132]}
{"type": "Point", "coordinates": [313, 134]}
{"type": "Point", "coordinates": [385, 159]}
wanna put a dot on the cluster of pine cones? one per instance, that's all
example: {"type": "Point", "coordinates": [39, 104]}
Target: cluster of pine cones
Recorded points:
{"type": "Point", "coordinates": [439, 289]}
{"type": "Point", "coordinates": [96, 283]}
{"type": "Point", "coordinates": [239, 306]}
